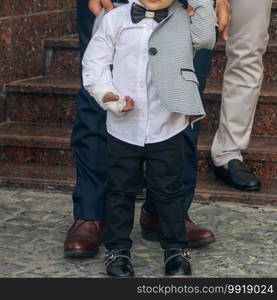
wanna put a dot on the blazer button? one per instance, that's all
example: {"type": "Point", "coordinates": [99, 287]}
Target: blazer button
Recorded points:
{"type": "Point", "coordinates": [153, 51]}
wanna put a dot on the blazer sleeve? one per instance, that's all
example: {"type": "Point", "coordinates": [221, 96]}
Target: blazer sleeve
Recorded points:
{"type": "Point", "coordinates": [203, 24]}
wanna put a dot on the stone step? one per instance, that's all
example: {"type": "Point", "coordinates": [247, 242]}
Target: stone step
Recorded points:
{"type": "Point", "coordinates": [62, 178]}
{"type": "Point", "coordinates": [62, 54]}
{"type": "Point", "coordinates": [260, 156]}
{"type": "Point", "coordinates": [212, 190]}
{"type": "Point", "coordinates": [62, 58]}
{"type": "Point", "coordinates": [273, 21]}
{"type": "Point", "coordinates": [51, 101]}
{"type": "Point", "coordinates": [265, 121]}
{"type": "Point", "coordinates": [37, 176]}
{"type": "Point", "coordinates": [269, 61]}
{"type": "Point", "coordinates": [27, 143]}
{"type": "Point", "coordinates": [42, 100]}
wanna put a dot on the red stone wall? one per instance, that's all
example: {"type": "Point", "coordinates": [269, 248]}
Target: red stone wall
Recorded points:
{"type": "Point", "coordinates": [2, 109]}
{"type": "Point", "coordinates": [23, 26]}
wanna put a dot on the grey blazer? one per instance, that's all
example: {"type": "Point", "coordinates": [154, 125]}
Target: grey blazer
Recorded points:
{"type": "Point", "coordinates": [172, 46]}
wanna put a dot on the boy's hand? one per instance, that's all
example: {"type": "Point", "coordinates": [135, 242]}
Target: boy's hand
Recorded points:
{"type": "Point", "coordinates": [224, 14]}
{"type": "Point", "coordinates": [129, 104]}
{"type": "Point", "coordinates": [111, 97]}
{"type": "Point", "coordinates": [96, 5]}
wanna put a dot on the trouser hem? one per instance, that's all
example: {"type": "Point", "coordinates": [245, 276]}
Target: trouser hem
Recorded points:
{"type": "Point", "coordinates": [224, 161]}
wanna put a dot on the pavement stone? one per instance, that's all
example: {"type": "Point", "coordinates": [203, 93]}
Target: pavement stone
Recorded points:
{"type": "Point", "coordinates": [33, 225]}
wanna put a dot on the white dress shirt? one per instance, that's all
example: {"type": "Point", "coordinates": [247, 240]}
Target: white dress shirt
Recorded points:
{"type": "Point", "coordinates": [123, 44]}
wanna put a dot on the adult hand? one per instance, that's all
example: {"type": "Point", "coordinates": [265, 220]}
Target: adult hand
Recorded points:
{"type": "Point", "coordinates": [190, 11]}
{"type": "Point", "coordinates": [96, 6]}
{"type": "Point", "coordinates": [224, 13]}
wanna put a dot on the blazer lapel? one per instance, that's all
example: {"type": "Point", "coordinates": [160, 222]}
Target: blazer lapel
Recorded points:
{"type": "Point", "coordinates": [171, 11]}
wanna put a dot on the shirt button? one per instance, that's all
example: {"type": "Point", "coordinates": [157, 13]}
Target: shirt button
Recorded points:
{"type": "Point", "coordinates": [153, 51]}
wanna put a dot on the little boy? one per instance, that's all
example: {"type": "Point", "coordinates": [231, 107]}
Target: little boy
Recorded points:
{"type": "Point", "coordinates": [151, 96]}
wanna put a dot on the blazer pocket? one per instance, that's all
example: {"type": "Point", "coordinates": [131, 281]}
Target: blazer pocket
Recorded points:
{"type": "Point", "coordinates": [189, 75]}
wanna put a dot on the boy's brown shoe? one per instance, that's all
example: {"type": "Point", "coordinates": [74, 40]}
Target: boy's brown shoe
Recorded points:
{"type": "Point", "coordinates": [83, 239]}
{"type": "Point", "coordinates": [197, 236]}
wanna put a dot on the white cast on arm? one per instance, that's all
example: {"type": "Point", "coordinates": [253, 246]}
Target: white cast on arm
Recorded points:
{"type": "Point", "coordinates": [96, 73]}
{"type": "Point", "coordinates": [203, 24]}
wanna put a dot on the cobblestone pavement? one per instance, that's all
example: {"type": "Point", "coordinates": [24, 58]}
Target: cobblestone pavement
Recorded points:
{"type": "Point", "coordinates": [33, 226]}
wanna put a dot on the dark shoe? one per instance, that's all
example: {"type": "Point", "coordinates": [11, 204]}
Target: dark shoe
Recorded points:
{"type": "Point", "coordinates": [176, 263]}
{"type": "Point", "coordinates": [118, 263]}
{"type": "Point", "coordinates": [83, 239]}
{"type": "Point", "coordinates": [151, 230]}
{"type": "Point", "coordinates": [238, 176]}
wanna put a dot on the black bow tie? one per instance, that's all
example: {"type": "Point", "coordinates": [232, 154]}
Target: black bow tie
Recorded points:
{"type": "Point", "coordinates": [139, 12]}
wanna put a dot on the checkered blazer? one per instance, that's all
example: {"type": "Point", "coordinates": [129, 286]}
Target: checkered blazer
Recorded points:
{"type": "Point", "coordinates": [172, 46]}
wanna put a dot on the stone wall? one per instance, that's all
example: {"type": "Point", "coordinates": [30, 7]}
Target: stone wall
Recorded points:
{"type": "Point", "coordinates": [23, 26]}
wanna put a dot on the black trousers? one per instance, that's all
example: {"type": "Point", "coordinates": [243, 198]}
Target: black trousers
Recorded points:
{"type": "Point", "coordinates": [164, 179]}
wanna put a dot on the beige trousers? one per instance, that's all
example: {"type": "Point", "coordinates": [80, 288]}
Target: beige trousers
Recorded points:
{"type": "Point", "coordinates": [243, 77]}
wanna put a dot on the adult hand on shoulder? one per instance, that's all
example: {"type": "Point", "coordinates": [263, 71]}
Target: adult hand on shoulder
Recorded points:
{"type": "Point", "coordinates": [190, 11]}
{"type": "Point", "coordinates": [96, 5]}
{"type": "Point", "coordinates": [224, 13]}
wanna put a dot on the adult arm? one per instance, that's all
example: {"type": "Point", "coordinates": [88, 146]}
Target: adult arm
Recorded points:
{"type": "Point", "coordinates": [224, 13]}
{"type": "Point", "coordinates": [96, 6]}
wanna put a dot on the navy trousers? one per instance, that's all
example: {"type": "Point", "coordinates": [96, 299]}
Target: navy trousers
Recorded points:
{"type": "Point", "coordinates": [89, 139]}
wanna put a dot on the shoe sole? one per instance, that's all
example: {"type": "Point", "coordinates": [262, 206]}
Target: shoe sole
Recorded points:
{"type": "Point", "coordinates": [252, 189]}
{"type": "Point", "coordinates": [155, 237]}
{"type": "Point", "coordinates": [80, 253]}
{"type": "Point", "coordinates": [112, 276]}
{"type": "Point", "coordinates": [178, 276]}
{"type": "Point", "coordinates": [256, 188]}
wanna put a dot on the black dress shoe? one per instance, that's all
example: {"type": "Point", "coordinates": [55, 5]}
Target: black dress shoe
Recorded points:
{"type": "Point", "coordinates": [176, 262]}
{"type": "Point", "coordinates": [118, 263]}
{"type": "Point", "coordinates": [238, 176]}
